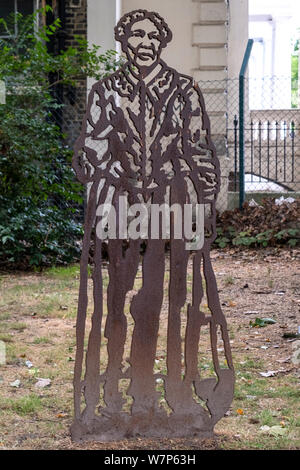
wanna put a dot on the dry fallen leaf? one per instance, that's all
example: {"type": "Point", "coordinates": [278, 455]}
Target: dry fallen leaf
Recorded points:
{"type": "Point", "coordinates": [15, 384]}
{"type": "Point", "coordinates": [274, 430]}
{"type": "Point", "coordinates": [42, 383]}
{"type": "Point", "coordinates": [269, 373]}
{"type": "Point", "coordinates": [282, 361]}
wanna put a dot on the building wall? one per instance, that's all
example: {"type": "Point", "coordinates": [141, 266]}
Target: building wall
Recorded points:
{"type": "Point", "coordinates": [209, 40]}
{"type": "Point", "coordinates": [179, 15]}
{"type": "Point", "coordinates": [73, 16]}
{"type": "Point", "coordinates": [237, 35]}
{"type": "Point", "coordinates": [204, 31]}
{"type": "Point", "coordinates": [74, 98]}
{"type": "Point", "coordinates": [76, 19]}
{"type": "Point", "coordinates": [101, 20]}
{"type": "Point", "coordinates": [272, 26]}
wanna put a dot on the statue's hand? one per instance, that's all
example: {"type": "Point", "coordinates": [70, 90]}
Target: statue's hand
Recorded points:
{"type": "Point", "coordinates": [212, 184]}
{"type": "Point", "coordinates": [83, 168]}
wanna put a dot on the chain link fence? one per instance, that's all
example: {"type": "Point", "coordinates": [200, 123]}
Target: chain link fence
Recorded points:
{"type": "Point", "coordinates": [169, 154]}
{"type": "Point", "coordinates": [272, 134]}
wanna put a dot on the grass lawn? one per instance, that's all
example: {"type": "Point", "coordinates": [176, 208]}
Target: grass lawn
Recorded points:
{"type": "Point", "coordinates": [37, 324]}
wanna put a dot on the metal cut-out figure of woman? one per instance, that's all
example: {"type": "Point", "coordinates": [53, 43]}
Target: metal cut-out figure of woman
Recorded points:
{"type": "Point", "coordinates": [146, 137]}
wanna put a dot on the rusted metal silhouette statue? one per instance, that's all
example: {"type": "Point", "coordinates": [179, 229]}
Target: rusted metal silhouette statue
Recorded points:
{"type": "Point", "coordinates": [146, 135]}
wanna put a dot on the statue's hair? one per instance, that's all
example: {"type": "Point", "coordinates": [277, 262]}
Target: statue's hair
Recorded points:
{"type": "Point", "coordinates": [124, 25]}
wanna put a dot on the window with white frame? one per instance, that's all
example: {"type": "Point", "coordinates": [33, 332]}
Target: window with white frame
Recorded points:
{"type": "Point", "coordinates": [7, 7]}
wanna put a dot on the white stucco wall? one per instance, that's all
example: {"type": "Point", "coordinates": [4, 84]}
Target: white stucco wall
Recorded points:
{"type": "Point", "coordinates": [183, 17]}
{"type": "Point", "coordinates": [272, 24]}
{"type": "Point", "coordinates": [179, 15]}
{"type": "Point", "coordinates": [237, 35]}
{"type": "Point", "coordinates": [101, 20]}
{"type": "Point", "coordinates": [203, 46]}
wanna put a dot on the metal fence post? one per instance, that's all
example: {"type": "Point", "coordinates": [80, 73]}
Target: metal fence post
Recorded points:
{"type": "Point", "coordinates": [2, 92]}
{"type": "Point", "coordinates": [241, 120]}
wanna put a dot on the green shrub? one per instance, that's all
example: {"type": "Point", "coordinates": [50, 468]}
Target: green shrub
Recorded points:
{"type": "Point", "coordinates": [39, 194]}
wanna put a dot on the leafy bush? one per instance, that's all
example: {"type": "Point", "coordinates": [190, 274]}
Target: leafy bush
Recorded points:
{"type": "Point", "coordinates": [37, 235]}
{"type": "Point", "coordinates": [39, 194]}
{"type": "Point", "coordinates": [260, 226]}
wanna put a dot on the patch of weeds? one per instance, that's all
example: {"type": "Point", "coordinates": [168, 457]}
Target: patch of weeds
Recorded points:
{"type": "Point", "coordinates": [288, 414]}
{"type": "Point", "coordinates": [42, 340]}
{"type": "Point", "coordinates": [6, 337]}
{"type": "Point", "coordinates": [11, 354]}
{"type": "Point", "coordinates": [58, 304]}
{"type": "Point", "coordinates": [4, 316]}
{"type": "Point", "coordinates": [284, 391]}
{"type": "Point", "coordinates": [25, 405]}
{"type": "Point", "coordinates": [53, 428]}
{"type": "Point", "coordinates": [18, 326]}
{"type": "Point", "coordinates": [239, 392]}
{"type": "Point", "coordinates": [256, 388]}
{"type": "Point", "coordinates": [229, 280]}
{"type": "Point", "coordinates": [261, 442]}
{"type": "Point", "coordinates": [66, 272]}
{"type": "Point", "coordinates": [261, 322]}
{"type": "Point", "coordinates": [13, 294]}
{"type": "Point", "coordinates": [293, 420]}
{"type": "Point", "coordinates": [206, 367]}
{"type": "Point", "coordinates": [250, 364]}
{"type": "Point", "coordinates": [266, 418]}
{"type": "Point", "coordinates": [47, 308]}
{"type": "Point", "coordinates": [53, 334]}
{"type": "Point", "coordinates": [70, 313]}
{"type": "Point", "coordinates": [231, 333]}
{"type": "Point", "coordinates": [58, 402]}
{"type": "Point", "coordinates": [246, 385]}
{"type": "Point", "coordinates": [285, 442]}
{"type": "Point", "coordinates": [3, 327]}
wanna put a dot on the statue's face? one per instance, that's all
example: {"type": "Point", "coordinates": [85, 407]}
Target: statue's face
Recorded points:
{"type": "Point", "coordinates": [144, 43]}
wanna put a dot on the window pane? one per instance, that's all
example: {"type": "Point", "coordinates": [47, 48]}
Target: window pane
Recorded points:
{"type": "Point", "coordinates": [25, 7]}
{"type": "Point", "coordinates": [6, 7]}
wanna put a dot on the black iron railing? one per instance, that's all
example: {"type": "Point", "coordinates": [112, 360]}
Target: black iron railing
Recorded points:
{"type": "Point", "coordinates": [271, 151]}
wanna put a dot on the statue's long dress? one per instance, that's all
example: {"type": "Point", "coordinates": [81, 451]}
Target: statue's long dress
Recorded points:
{"type": "Point", "coordinates": [148, 139]}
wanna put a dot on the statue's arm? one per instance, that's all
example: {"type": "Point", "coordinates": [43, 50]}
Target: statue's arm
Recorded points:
{"type": "Point", "coordinates": [89, 149]}
{"type": "Point", "coordinates": [202, 148]}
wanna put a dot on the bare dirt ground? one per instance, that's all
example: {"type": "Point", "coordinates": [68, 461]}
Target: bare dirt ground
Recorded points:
{"type": "Point", "coordinates": [37, 318]}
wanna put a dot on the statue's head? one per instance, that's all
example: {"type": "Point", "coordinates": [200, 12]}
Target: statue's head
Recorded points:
{"type": "Point", "coordinates": [143, 35]}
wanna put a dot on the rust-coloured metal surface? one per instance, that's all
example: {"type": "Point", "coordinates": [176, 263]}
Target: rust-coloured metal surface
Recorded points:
{"type": "Point", "coordinates": [146, 135]}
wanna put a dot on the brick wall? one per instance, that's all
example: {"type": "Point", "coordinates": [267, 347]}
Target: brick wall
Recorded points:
{"type": "Point", "coordinates": [76, 19]}
{"type": "Point", "coordinates": [75, 98]}
{"type": "Point", "coordinates": [73, 15]}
